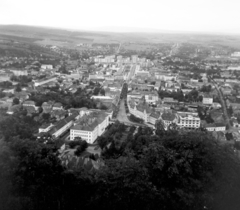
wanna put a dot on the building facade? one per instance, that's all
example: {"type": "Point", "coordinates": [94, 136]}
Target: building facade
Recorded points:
{"type": "Point", "coordinates": [90, 126]}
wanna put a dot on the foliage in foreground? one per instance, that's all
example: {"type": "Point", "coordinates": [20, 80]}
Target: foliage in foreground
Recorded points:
{"type": "Point", "coordinates": [170, 170]}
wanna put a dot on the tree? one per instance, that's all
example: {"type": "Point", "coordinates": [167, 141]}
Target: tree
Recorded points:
{"type": "Point", "coordinates": [46, 116]}
{"type": "Point", "coordinates": [102, 142]}
{"type": "Point", "coordinates": [102, 92]}
{"type": "Point", "coordinates": [160, 127]}
{"type": "Point", "coordinates": [15, 101]}
{"type": "Point", "coordinates": [81, 148]}
{"type": "Point", "coordinates": [96, 91]}
{"type": "Point", "coordinates": [18, 88]}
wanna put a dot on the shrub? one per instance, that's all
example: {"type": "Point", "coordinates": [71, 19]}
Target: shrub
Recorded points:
{"type": "Point", "coordinates": [81, 148]}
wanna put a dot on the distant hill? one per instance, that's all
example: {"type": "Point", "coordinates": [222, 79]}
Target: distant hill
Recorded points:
{"type": "Point", "coordinates": [71, 38]}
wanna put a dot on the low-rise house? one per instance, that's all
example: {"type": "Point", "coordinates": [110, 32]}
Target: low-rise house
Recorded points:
{"type": "Point", "coordinates": [216, 105]}
{"type": "Point", "coordinates": [153, 117]}
{"type": "Point", "coordinates": [22, 96]}
{"type": "Point", "coordinates": [57, 106]}
{"type": "Point", "coordinates": [45, 128]}
{"type": "Point", "coordinates": [59, 114]}
{"type": "Point", "coordinates": [29, 104]}
{"type": "Point", "coordinates": [169, 118]}
{"type": "Point", "coordinates": [216, 127]}
{"type": "Point", "coordinates": [168, 100]}
{"type": "Point", "coordinates": [62, 126]}
{"type": "Point", "coordinates": [47, 106]}
{"type": "Point", "coordinates": [46, 66]}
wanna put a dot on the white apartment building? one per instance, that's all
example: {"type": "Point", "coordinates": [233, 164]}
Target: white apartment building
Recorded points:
{"type": "Point", "coordinates": [44, 66]}
{"type": "Point", "coordinates": [19, 72]}
{"type": "Point", "coordinates": [186, 120]}
{"type": "Point", "coordinates": [207, 101]}
{"type": "Point", "coordinates": [152, 98]}
{"type": "Point", "coordinates": [90, 126]}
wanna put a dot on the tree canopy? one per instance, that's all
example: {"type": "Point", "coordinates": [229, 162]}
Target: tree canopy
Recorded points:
{"type": "Point", "coordinates": [166, 169]}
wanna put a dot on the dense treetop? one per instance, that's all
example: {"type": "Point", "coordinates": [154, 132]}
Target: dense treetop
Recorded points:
{"type": "Point", "coordinates": [143, 169]}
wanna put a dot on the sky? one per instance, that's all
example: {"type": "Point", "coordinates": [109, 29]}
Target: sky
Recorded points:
{"type": "Point", "coordinates": [149, 15]}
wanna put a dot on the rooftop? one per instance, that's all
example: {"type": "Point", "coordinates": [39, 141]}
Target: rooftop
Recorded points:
{"type": "Point", "coordinates": [90, 122]}
{"type": "Point", "coordinates": [168, 116]}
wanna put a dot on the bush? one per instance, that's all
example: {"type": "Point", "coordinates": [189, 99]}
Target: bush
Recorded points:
{"type": "Point", "coordinates": [81, 148]}
{"type": "Point", "coordinates": [75, 143]}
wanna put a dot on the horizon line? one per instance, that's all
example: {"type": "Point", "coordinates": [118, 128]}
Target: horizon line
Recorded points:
{"type": "Point", "coordinates": [107, 29]}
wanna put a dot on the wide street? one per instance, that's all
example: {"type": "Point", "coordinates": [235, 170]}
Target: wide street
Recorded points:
{"type": "Point", "coordinates": [223, 103]}
{"type": "Point", "coordinates": [122, 116]}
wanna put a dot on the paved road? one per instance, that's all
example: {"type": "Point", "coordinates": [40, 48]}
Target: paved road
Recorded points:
{"type": "Point", "coordinates": [223, 102]}
{"type": "Point", "coordinates": [118, 50]}
{"type": "Point", "coordinates": [122, 116]}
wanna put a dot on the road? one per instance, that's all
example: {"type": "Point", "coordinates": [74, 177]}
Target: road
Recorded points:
{"type": "Point", "coordinates": [118, 50]}
{"type": "Point", "coordinates": [223, 102]}
{"type": "Point", "coordinates": [122, 116]}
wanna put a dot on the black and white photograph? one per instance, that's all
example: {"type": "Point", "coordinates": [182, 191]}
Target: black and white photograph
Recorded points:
{"type": "Point", "coordinates": [119, 105]}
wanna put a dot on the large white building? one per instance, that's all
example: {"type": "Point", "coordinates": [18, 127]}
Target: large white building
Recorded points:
{"type": "Point", "coordinates": [187, 120]}
{"type": "Point", "coordinates": [90, 126]}
{"type": "Point", "coordinates": [207, 100]}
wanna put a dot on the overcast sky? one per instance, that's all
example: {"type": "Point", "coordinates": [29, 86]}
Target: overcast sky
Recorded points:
{"type": "Point", "coordinates": [176, 15]}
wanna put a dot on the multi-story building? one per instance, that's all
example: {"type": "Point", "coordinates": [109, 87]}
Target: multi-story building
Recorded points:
{"type": "Point", "coordinates": [90, 126]}
{"type": "Point", "coordinates": [188, 120]}
{"type": "Point", "coordinates": [207, 100]}
{"type": "Point", "coordinates": [152, 97]}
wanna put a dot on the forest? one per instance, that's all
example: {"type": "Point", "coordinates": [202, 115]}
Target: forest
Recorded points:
{"type": "Point", "coordinates": [170, 169]}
